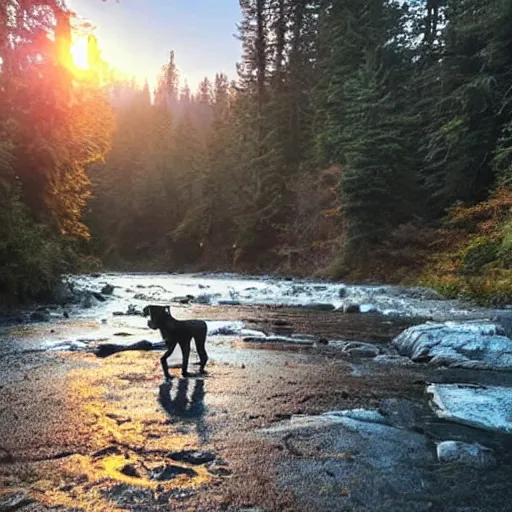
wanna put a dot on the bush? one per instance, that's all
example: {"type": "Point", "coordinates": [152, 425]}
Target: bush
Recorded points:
{"type": "Point", "coordinates": [32, 259]}
{"type": "Point", "coordinates": [477, 263]}
{"type": "Point", "coordinates": [505, 250]}
{"type": "Point", "coordinates": [480, 252]}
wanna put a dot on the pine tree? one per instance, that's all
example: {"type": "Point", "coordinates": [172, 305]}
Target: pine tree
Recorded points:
{"type": "Point", "coordinates": [364, 124]}
{"type": "Point", "coordinates": [167, 90]}
{"type": "Point", "coordinates": [466, 126]}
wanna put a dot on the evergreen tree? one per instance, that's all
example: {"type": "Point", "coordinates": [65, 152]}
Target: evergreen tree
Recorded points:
{"type": "Point", "coordinates": [365, 124]}
{"type": "Point", "coordinates": [468, 117]}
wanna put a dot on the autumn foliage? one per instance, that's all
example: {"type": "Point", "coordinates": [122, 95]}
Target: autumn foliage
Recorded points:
{"type": "Point", "coordinates": [53, 126]}
{"type": "Point", "coordinates": [474, 251]}
{"type": "Point", "coordinates": [360, 140]}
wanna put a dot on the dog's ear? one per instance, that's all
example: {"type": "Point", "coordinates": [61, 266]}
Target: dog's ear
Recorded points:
{"type": "Point", "coordinates": [146, 311]}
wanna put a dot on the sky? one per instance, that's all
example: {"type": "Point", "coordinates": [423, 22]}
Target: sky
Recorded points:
{"type": "Point", "coordinates": [136, 36]}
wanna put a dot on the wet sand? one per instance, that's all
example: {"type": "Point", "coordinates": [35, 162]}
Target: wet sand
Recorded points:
{"type": "Point", "coordinates": [82, 433]}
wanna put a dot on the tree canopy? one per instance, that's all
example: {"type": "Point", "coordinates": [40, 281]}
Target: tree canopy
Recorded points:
{"type": "Point", "coordinates": [352, 129]}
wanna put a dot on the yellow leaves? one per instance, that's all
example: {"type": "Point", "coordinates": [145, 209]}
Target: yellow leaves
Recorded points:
{"type": "Point", "coordinates": [473, 260]}
{"type": "Point", "coordinates": [485, 215]}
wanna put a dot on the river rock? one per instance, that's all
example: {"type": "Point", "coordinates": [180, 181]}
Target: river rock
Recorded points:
{"type": "Point", "coordinates": [193, 457]}
{"type": "Point", "coordinates": [203, 298]}
{"type": "Point", "coordinates": [183, 300]}
{"type": "Point", "coordinates": [351, 308]}
{"type": "Point", "coordinates": [128, 496]}
{"type": "Point", "coordinates": [108, 289]}
{"type": "Point", "coordinates": [133, 311]}
{"type": "Point", "coordinates": [476, 345]}
{"type": "Point", "coordinates": [318, 306]}
{"type": "Point", "coordinates": [171, 471]}
{"type": "Point", "coordinates": [15, 501]}
{"type": "Point", "coordinates": [41, 315]}
{"type": "Point", "coordinates": [505, 322]}
{"type": "Point", "coordinates": [217, 469]}
{"type": "Point", "coordinates": [63, 293]}
{"type": "Point", "coordinates": [414, 292]}
{"type": "Point", "coordinates": [130, 470]}
{"type": "Point", "coordinates": [484, 407]}
{"type": "Point", "coordinates": [278, 339]}
{"type": "Point", "coordinates": [98, 296]}
{"type": "Point", "coordinates": [87, 300]}
{"type": "Point", "coordinates": [357, 349]}
{"type": "Point", "coordinates": [402, 413]}
{"type": "Point", "coordinates": [350, 418]}
{"type": "Point", "coordinates": [142, 296]}
{"type": "Point", "coordinates": [474, 455]}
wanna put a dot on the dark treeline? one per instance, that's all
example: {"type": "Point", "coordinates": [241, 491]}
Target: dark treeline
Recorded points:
{"type": "Point", "coordinates": [362, 139]}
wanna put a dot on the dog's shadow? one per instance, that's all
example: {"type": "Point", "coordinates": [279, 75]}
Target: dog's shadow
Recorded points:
{"type": "Point", "coordinates": [180, 406]}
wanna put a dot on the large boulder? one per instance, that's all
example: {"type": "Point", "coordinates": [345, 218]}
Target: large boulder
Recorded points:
{"type": "Point", "coordinates": [355, 458]}
{"type": "Point", "coordinates": [476, 345]}
{"type": "Point", "coordinates": [484, 407]}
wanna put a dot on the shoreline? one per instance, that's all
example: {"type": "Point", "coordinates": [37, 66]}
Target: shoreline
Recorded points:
{"type": "Point", "coordinates": [88, 434]}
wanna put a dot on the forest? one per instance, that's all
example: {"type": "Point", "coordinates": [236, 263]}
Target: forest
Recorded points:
{"type": "Point", "coordinates": [360, 140]}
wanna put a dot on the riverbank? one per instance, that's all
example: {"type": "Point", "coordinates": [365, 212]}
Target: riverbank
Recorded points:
{"type": "Point", "coordinates": [82, 433]}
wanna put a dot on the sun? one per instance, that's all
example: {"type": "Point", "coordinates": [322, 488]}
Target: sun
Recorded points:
{"type": "Point", "coordinates": [80, 52]}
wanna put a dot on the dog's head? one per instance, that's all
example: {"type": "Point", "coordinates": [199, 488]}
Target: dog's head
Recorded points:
{"type": "Point", "coordinates": [157, 315]}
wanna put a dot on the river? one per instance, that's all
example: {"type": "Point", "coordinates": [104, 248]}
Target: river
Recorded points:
{"type": "Point", "coordinates": [82, 433]}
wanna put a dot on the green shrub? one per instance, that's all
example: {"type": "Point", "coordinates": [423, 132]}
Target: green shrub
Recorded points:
{"type": "Point", "coordinates": [32, 258]}
{"type": "Point", "coordinates": [480, 252]}
{"type": "Point", "coordinates": [505, 250]}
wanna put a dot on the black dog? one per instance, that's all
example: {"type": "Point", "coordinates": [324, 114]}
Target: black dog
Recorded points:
{"type": "Point", "coordinates": [178, 332]}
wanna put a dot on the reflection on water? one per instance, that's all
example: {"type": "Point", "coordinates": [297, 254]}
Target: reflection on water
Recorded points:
{"type": "Point", "coordinates": [178, 405]}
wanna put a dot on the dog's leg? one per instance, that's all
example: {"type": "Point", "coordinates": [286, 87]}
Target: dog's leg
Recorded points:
{"type": "Point", "coordinates": [185, 349]}
{"type": "Point", "coordinates": [170, 348]}
{"type": "Point", "coordinates": [200, 340]}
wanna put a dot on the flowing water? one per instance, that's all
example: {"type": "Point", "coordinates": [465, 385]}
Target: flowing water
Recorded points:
{"type": "Point", "coordinates": [86, 434]}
